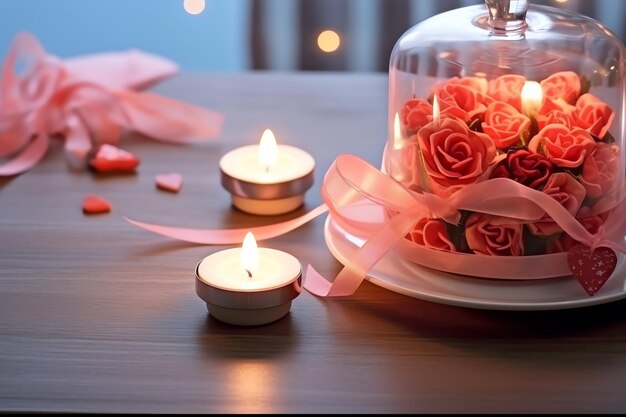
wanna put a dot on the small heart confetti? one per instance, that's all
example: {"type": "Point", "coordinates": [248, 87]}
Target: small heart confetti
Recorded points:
{"type": "Point", "coordinates": [591, 268]}
{"type": "Point", "coordinates": [169, 182]}
{"type": "Point", "coordinates": [110, 158]}
{"type": "Point", "coordinates": [94, 204]}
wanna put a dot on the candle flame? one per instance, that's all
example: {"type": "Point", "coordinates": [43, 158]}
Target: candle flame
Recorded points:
{"type": "Point", "coordinates": [249, 255]}
{"type": "Point", "coordinates": [268, 150]}
{"type": "Point", "coordinates": [532, 97]}
{"type": "Point", "coordinates": [436, 110]}
{"type": "Point", "coordinates": [397, 135]}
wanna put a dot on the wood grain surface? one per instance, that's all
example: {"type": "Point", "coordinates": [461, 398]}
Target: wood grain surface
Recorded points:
{"type": "Point", "coordinates": [99, 316]}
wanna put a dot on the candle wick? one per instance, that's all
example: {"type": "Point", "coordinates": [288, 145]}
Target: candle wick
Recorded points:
{"type": "Point", "coordinates": [267, 169]}
{"type": "Point", "coordinates": [249, 273]}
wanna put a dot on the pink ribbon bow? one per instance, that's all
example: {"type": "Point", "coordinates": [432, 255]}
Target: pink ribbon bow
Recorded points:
{"type": "Point", "coordinates": [88, 101]}
{"type": "Point", "coordinates": [369, 204]}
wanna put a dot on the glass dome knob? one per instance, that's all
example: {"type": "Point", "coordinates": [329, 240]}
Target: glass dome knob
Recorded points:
{"type": "Point", "coordinates": [507, 16]}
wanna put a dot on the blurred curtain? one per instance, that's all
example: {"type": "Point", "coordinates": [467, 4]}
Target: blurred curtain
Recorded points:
{"type": "Point", "coordinates": [284, 32]}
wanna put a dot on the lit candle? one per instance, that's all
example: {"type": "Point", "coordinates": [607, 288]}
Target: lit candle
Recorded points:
{"type": "Point", "coordinates": [436, 110]}
{"type": "Point", "coordinates": [248, 286]}
{"type": "Point", "coordinates": [532, 98]}
{"type": "Point", "coordinates": [267, 178]}
{"type": "Point", "coordinates": [397, 134]}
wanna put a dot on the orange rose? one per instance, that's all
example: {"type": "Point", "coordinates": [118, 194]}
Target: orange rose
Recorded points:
{"type": "Point", "coordinates": [564, 147]}
{"type": "Point", "coordinates": [492, 235]}
{"type": "Point", "coordinates": [478, 84]}
{"type": "Point", "coordinates": [453, 154]}
{"type": "Point", "coordinates": [505, 125]}
{"type": "Point", "coordinates": [432, 234]}
{"type": "Point", "coordinates": [416, 113]}
{"type": "Point", "coordinates": [556, 112]}
{"type": "Point", "coordinates": [507, 88]}
{"type": "Point", "coordinates": [600, 172]}
{"type": "Point", "coordinates": [462, 98]}
{"type": "Point", "coordinates": [563, 85]}
{"type": "Point", "coordinates": [565, 189]}
{"type": "Point", "coordinates": [593, 115]}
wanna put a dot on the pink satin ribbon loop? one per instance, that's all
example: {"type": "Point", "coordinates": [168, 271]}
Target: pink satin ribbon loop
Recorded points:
{"type": "Point", "coordinates": [31, 153]}
{"type": "Point", "coordinates": [181, 123]}
{"type": "Point", "coordinates": [364, 259]}
{"type": "Point", "coordinates": [350, 177]}
{"type": "Point", "coordinates": [132, 70]}
{"type": "Point", "coordinates": [88, 101]}
{"type": "Point", "coordinates": [28, 157]}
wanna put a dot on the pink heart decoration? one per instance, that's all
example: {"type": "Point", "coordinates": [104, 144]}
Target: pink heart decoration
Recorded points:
{"type": "Point", "coordinates": [94, 204]}
{"type": "Point", "coordinates": [169, 182]}
{"type": "Point", "coordinates": [592, 269]}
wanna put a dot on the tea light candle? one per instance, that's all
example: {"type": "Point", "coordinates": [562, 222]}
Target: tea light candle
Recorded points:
{"type": "Point", "coordinates": [397, 133]}
{"type": "Point", "coordinates": [267, 178]}
{"type": "Point", "coordinates": [248, 286]}
{"type": "Point", "coordinates": [532, 98]}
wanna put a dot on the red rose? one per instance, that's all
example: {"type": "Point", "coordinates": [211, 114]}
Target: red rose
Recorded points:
{"type": "Point", "coordinates": [600, 172]}
{"type": "Point", "coordinates": [528, 168]}
{"type": "Point", "coordinates": [507, 88]}
{"type": "Point", "coordinates": [556, 112]}
{"type": "Point", "coordinates": [564, 147]}
{"type": "Point", "coordinates": [593, 115]}
{"type": "Point", "coordinates": [453, 154]}
{"type": "Point", "coordinates": [462, 98]}
{"type": "Point", "coordinates": [565, 189]}
{"type": "Point", "coordinates": [505, 125]}
{"type": "Point", "coordinates": [432, 234]}
{"type": "Point", "coordinates": [562, 85]}
{"type": "Point", "coordinates": [492, 235]}
{"type": "Point", "coordinates": [415, 114]}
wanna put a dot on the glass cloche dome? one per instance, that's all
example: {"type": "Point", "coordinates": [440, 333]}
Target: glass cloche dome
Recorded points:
{"type": "Point", "coordinates": [528, 93]}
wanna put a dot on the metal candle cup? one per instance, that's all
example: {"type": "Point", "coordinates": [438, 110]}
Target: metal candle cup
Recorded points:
{"type": "Point", "coordinates": [270, 188]}
{"type": "Point", "coordinates": [248, 297]}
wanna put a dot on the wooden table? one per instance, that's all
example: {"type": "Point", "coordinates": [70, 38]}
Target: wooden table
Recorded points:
{"type": "Point", "coordinates": [98, 315]}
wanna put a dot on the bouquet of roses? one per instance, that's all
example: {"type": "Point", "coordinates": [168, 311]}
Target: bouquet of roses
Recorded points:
{"type": "Point", "coordinates": [556, 142]}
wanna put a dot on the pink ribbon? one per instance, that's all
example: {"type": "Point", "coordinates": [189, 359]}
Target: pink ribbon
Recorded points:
{"type": "Point", "coordinates": [89, 101]}
{"type": "Point", "coordinates": [230, 236]}
{"type": "Point", "coordinates": [366, 202]}
{"type": "Point", "coordinates": [351, 185]}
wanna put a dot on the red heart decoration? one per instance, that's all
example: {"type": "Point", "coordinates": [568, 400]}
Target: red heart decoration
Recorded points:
{"type": "Point", "coordinates": [169, 182]}
{"type": "Point", "coordinates": [110, 158]}
{"type": "Point", "coordinates": [591, 268]}
{"type": "Point", "coordinates": [94, 204]}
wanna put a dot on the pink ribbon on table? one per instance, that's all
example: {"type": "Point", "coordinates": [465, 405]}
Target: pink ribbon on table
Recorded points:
{"type": "Point", "coordinates": [89, 101]}
{"type": "Point", "coordinates": [352, 186]}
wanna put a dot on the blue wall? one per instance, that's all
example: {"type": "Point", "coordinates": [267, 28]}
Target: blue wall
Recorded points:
{"type": "Point", "coordinates": [215, 40]}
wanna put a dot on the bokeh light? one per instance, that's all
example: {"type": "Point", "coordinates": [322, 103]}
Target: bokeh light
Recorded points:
{"type": "Point", "coordinates": [328, 41]}
{"type": "Point", "coordinates": [194, 6]}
